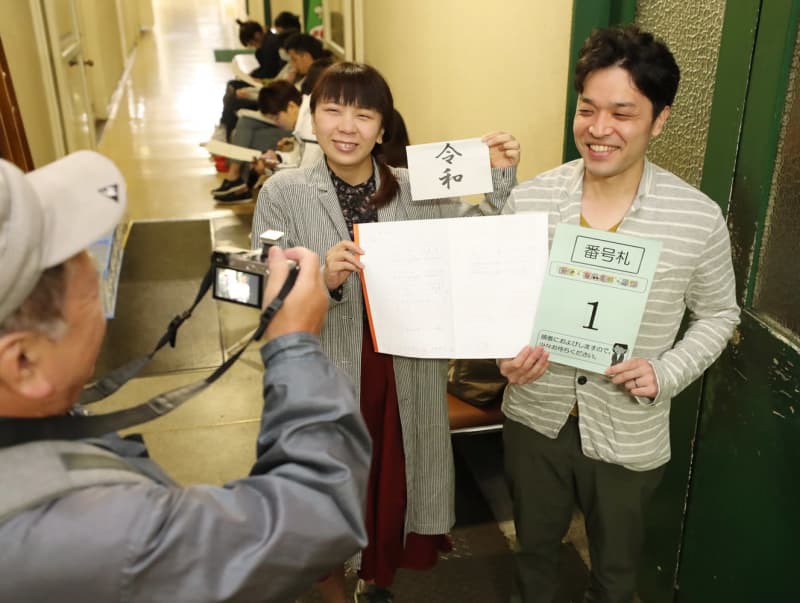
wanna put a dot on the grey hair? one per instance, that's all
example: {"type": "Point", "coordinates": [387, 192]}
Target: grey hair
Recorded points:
{"type": "Point", "coordinates": [43, 310]}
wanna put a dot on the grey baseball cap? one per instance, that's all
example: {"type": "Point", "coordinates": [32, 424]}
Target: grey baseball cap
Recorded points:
{"type": "Point", "coordinates": [50, 214]}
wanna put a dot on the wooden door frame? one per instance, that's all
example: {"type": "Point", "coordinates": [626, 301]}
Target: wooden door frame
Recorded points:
{"type": "Point", "coordinates": [13, 141]}
{"type": "Point", "coordinates": [48, 78]}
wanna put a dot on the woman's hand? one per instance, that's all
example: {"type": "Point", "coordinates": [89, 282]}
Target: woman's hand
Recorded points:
{"type": "Point", "coordinates": [529, 365]}
{"type": "Point", "coordinates": [503, 149]}
{"type": "Point", "coordinates": [340, 261]}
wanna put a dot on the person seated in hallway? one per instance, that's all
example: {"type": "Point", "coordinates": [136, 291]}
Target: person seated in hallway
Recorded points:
{"type": "Point", "coordinates": [269, 51]}
{"type": "Point", "coordinates": [602, 441]}
{"type": "Point", "coordinates": [286, 110]}
{"type": "Point", "coordinates": [303, 49]}
{"type": "Point", "coordinates": [98, 520]}
{"type": "Point", "coordinates": [269, 47]}
{"type": "Point", "coordinates": [410, 505]}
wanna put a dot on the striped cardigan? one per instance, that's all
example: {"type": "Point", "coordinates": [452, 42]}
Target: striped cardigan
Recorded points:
{"type": "Point", "coordinates": [694, 272]}
{"type": "Point", "coordinates": [303, 204]}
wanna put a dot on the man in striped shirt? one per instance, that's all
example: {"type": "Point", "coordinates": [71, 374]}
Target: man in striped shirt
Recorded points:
{"type": "Point", "coordinates": [601, 441]}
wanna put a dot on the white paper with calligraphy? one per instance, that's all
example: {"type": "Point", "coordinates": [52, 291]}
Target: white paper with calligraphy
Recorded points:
{"type": "Point", "coordinates": [594, 296]}
{"type": "Point", "coordinates": [453, 288]}
{"type": "Point", "coordinates": [449, 169]}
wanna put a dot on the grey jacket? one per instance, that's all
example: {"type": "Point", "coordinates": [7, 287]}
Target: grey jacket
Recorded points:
{"type": "Point", "coordinates": [303, 204]}
{"type": "Point", "coordinates": [266, 537]}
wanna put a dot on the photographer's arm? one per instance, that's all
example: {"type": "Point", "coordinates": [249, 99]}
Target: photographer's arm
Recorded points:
{"type": "Point", "coordinates": [267, 537]}
{"type": "Point", "coordinates": [300, 513]}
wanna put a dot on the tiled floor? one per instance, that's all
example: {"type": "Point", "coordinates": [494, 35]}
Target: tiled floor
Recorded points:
{"type": "Point", "coordinates": [168, 105]}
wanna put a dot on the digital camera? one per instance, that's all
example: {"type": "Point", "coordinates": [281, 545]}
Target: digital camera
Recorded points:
{"type": "Point", "coordinates": [240, 275]}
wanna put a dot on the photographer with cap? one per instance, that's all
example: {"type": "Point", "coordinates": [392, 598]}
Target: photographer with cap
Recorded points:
{"type": "Point", "coordinates": [97, 520]}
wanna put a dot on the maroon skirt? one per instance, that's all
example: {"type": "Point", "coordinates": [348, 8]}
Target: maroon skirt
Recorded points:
{"type": "Point", "coordinates": [386, 489]}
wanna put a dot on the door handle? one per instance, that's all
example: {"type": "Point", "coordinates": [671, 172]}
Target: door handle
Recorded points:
{"type": "Point", "coordinates": [87, 62]}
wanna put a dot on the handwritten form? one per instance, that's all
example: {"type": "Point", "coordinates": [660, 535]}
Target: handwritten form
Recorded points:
{"type": "Point", "coordinates": [449, 169]}
{"type": "Point", "coordinates": [453, 288]}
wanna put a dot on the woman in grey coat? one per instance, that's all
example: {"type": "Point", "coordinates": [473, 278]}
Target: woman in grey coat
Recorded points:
{"type": "Point", "coordinates": [410, 505]}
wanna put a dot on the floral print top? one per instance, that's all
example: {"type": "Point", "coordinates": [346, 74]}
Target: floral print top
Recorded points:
{"type": "Point", "coordinates": [354, 201]}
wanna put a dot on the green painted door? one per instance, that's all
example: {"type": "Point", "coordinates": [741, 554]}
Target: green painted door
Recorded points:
{"type": "Point", "coordinates": [742, 520]}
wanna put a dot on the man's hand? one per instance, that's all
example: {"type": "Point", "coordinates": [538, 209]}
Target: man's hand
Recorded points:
{"type": "Point", "coordinates": [529, 365]}
{"type": "Point", "coordinates": [637, 375]}
{"type": "Point", "coordinates": [305, 307]}
{"type": "Point", "coordinates": [340, 261]}
{"type": "Point", "coordinates": [503, 149]}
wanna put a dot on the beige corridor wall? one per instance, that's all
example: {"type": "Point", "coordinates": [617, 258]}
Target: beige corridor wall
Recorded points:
{"type": "Point", "coordinates": [101, 45]}
{"type": "Point", "coordinates": [460, 69]}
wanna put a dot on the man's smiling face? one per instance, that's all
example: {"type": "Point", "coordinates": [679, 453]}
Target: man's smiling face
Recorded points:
{"type": "Point", "coordinates": [614, 124]}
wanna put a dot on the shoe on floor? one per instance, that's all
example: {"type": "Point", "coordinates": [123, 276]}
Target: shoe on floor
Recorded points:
{"type": "Point", "coordinates": [240, 196]}
{"type": "Point", "coordinates": [369, 593]}
{"type": "Point", "coordinates": [229, 186]}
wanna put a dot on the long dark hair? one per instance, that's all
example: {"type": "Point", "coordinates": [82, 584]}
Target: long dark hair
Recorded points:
{"type": "Point", "coordinates": [393, 148]}
{"type": "Point", "coordinates": [362, 86]}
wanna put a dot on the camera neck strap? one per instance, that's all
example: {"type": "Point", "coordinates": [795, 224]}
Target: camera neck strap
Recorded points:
{"type": "Point", "coordinates": [114, 380]}
{"type": "Point", "coordinates": [79, 424]}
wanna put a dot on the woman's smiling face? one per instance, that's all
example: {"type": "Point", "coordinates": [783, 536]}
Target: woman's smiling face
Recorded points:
{"type": "Point", "coordinates": [347, 134]}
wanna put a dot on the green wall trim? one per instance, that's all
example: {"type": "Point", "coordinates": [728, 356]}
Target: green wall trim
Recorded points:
{"type": "Point", "coordinates": [622, 11]}
{"type": "Point", "coordinates": [267, 13]}
{"type": "Point", "coordinates": [761, 129]}
{"type": "Point", "coordinates": [730, 91]}
{"type": "Point", "coordinates": [586, 16]}
{"type": "Point", "coordinates": [225, 55]}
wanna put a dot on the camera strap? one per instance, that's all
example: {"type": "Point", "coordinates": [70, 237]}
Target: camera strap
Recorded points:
{"type": "Point", "coordinates": [114, 380]}
{"type": "Point", "coordinates": [81, 424]}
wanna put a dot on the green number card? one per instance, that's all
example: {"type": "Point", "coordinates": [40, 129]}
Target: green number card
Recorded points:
{"type": "Point", "coordinates": [593, 297]}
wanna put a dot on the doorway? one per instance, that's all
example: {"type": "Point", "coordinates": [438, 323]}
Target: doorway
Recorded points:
{"type": "Point", "coordinates": [739, 542]}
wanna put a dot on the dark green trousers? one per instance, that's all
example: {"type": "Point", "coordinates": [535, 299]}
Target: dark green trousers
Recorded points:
{"type": "Point", "coordinates": [547, 478]}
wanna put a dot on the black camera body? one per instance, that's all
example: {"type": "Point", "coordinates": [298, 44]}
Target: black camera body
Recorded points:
{"type": "Point", "coordinates": [240, 275]}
